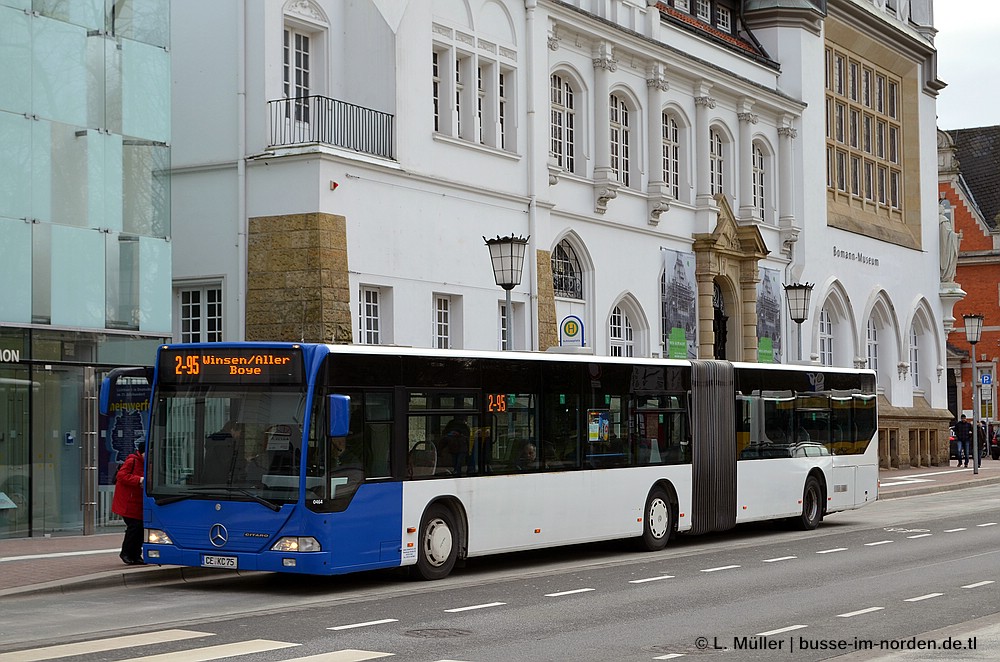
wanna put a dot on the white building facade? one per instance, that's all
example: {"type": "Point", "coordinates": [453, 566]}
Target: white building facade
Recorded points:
{"type": "Point", "coordinates": [336, 166]}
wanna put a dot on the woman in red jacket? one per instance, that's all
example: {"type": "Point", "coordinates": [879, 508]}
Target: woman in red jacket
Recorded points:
{"type": "Point", "coordinates": [127, 502]}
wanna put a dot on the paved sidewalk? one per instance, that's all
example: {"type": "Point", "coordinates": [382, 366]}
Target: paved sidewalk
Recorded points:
{"type": "Point", "coordinates": [75, 562]}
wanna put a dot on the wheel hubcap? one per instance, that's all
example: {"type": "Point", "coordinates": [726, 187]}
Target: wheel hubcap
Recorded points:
{"type": "Point", "coordinates": [658, 518]}
{"type": "Point", "coordinates": [437, 542]}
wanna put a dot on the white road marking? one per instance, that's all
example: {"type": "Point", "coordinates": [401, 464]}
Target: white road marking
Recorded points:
{"type": "Point", "coordinates": [345, 655]}
{"type": "Point", "coordinates": [859, 612]}
{"type": "Point", "coordinates": [483, 606]}
{"type": "Point", "coordinates": [988, 524]}
{"type": "Point", "coordinates": [101, 645]}
{"type": "Point", "coordinates": [216, 652]}
{"type": "Point", "coordinates": [831, 551]}
{"type": "Point", "coordinates": [880, 542]}
{"type": "Point", "coordinates": [954, 530]}
{"type": "Point", "coordinates": [978, 584]}
{"type": "Point", "coordinates": [923, 597]}
{"type": "Point", "coordinates": [562, 593]}
{"type": "Point", "coordinates": [721, 567]}
{"type": "Point", "coordinates": [650, 579]}
{"type": "Point", "coordinates": [56, 555]}
{"type": "Point", "coordinates": [780, 558]}
{"type": "Point", "coordinates": [669, 656]}
{"type": "Point", "coordinates": [773, 632]}
{"type": "Point", "coordinates": [920, 535]}
{"type": "Point", "coordinates": [362, 625]}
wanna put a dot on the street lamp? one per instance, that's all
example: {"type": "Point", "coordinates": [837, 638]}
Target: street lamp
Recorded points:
{"type": "Point", "coordinates": [973, 331]}
{"type": "Point", "coordinates": [798, 295]}
{"type": "Point", "coordinates": [507, 254]}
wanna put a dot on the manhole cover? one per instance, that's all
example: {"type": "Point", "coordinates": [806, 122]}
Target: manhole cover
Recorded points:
{"type": "Point", "coordinates": [437, 633]}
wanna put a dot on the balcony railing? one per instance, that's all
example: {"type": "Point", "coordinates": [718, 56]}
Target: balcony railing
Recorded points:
{"type": "Point", "coordinates": [316, 119]}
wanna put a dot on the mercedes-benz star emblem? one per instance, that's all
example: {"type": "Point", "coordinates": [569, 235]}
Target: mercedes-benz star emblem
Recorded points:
{"type": "Point", "coordinates": [218, 535]}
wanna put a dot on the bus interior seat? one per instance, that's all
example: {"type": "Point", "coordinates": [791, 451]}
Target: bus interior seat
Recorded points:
{"type": "Point", "coordinates": [423, 459]}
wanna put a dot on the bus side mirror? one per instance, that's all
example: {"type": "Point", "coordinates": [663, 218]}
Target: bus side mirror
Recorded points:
{"type": "Point", "coordinates": [339, 407]}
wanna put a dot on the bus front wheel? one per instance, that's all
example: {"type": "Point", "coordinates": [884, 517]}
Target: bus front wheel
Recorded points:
{"type": "Point", "coordinates": [656, 524]}
{"type": "Point", "coordinates": [438, 546]}
{"type": "Point", "coordinates": [812, 505]}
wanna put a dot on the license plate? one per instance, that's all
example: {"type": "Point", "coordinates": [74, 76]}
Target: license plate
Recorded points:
{"type": "Point", "coordinates": [218, 562]}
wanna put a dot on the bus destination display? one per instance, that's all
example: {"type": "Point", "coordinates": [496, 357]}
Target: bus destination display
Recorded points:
{"type": "Point", "coordinates": [231, 365]}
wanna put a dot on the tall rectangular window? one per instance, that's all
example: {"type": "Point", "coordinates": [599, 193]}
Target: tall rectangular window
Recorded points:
{"type": "Point", "coordinates": [480, 101]}
{"type": "Point", "coordinates": [504, 327]}
{"type": "Point", "coordinates": [562, 124]}
{"type": "Point", "coordinates": [620, 157]}
{"type": "Point", "coordinates": [201, 314]}
{"type": "Point", "coordinates": [715, 162]}
{"type": "Point", "coordinates": [825, 338]}
{"type": "Point", "coordinates": [436, 88]}
{"type": "Point", "coordinates": [914, 357]}
{"type": "Point", "coordinates": [442, 322]}
{"type": "Point", "coordinates": [671, 155]}
{"type": "Point", "coordinates": [296, 71]}
{"type": "Point", "coordinates": [871, 345]}
{"type": "Point", "coordinates": [759, 183]}
{"type": "Point", "coordinates": [370, 331]}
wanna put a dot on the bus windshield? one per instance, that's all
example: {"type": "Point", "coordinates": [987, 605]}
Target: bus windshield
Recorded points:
{"type": "Point", "coordinates": [213, 436]}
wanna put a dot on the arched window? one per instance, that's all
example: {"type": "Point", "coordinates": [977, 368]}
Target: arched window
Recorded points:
{"type": "Point", "coordinates": [716, 161]}
{"type": "Point", "coordinates": [671, 154]}
{"type": "Point", "coordinates": [567, 278]}
{"type": "Point", "coordinates": [759, 183]}
{"type": "Point", "coordinates": [620, 139]}
{"type": "Point", "coordinates": [620, 333]}
{"type": "Point", "coordinates": [914, 356]}
{"type": "Point", "coordinates": [562, 127]}
{"type": "Point", "coordinates": [825, 338]}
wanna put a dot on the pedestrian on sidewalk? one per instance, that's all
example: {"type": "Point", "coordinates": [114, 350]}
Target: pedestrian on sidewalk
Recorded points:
{"type": "Point", "coordinates": [127, 502]}
{"type": "Point", "coordinates": [963, 440]}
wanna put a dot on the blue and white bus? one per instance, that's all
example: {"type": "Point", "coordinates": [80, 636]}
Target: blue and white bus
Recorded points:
{"type": "Point", "coordinates": [329, 459]}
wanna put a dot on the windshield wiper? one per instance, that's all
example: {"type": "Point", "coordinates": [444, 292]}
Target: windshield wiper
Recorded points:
{"type": "Point", "coordinates": [203, 490]}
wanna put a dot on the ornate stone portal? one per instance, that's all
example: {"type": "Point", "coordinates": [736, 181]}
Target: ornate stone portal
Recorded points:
{"type": "Point", "coordinates": [728, 257]}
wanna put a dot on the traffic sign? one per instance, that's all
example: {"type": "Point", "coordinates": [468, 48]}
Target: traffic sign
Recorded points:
{"type": "Point", "coordinates": [986, 378]}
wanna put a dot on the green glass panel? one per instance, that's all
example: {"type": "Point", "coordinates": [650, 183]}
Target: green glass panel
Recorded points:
{"type": "Point", "coordinates": [59, 71]}
{"type": "Point", "coordinates": [145, 92]}
{"type": "Point", "coordinates": [154, 295]}
{"type": "Point", "coordinates": [77, 300]}
{"type": "Point", "coordinates": [15, 270]}
{"type": "Point", "coordinates": [87, 14]}
{"type": "Point", "coordinates": [122, 281]}
{"type": "Point", "coordinates": [146, 200]}
{"type": "Point", "coordinates": [15, 54]}
{"type": "Point", "coordinates": [146, 21]}
{"type": "Point", "coordinates": [15, 157]}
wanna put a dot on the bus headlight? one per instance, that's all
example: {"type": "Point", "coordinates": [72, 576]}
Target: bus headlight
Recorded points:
{"type": "Point", "coordinates": [296, 544]}
{"type": "Point", "coordinates": [157, 537]}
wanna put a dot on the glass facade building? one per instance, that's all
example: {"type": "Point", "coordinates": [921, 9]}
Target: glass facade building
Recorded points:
{"type": "Point", "coordinates": [85, 253]}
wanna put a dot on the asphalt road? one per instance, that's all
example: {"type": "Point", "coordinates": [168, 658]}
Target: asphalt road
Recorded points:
{"type": "Point", "coordinates": [921, 571]}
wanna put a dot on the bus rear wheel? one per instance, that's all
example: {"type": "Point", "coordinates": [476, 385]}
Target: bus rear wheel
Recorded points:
{"type": "Point", "coordinates": [438, 549]}
{"type": "Point", "coordinates": [656, 521]}
{"type": "Point", "coordinates": [812, 506]}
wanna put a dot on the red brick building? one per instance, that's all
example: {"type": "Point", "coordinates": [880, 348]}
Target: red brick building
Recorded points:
{"type": "Point", "coordinates": [969, 192]}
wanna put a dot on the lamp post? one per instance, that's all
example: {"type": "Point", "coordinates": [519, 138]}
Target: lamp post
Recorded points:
{"type": "Point", "coordinates": [798, 295]}
{"type": "Point", "coordinates": [973, 331]}
{"type": "Point", "coordinates": [507, 254]}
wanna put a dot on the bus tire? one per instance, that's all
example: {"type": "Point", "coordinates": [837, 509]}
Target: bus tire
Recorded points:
{"type": "Point", "coordinates": [656, 521]}
{"type": "Point", "coordinates": [438, 542]}
{"type": "Point", "coordinates": [812, 506]}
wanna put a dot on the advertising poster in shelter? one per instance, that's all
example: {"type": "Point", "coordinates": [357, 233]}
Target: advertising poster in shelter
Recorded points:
{"type": "Point", "coordinates": [123, 426]}
{"type": "Point", "coordinates": [769, 303]}
{"type": "Point", "coordinates": [678, 299]}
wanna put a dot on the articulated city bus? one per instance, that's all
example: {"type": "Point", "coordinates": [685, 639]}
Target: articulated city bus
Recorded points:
{"type": "Point", "coordinates": [328, 459]}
